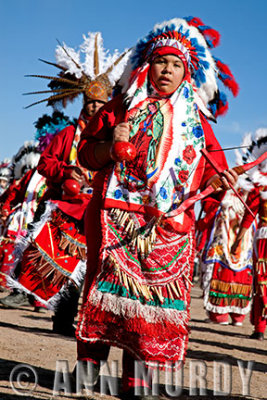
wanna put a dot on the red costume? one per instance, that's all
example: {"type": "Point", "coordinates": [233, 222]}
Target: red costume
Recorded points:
{"type": "Point", "coordinates": [97, 325]}
{"type": "Point", "coordinates": [227, 281]}
{"type": "Point", "coordinates": [56, 250]}
{"type": "Point", "coordinates": [20, 207]}
{"type": "Point", "coordinates": [140, 248]}
{"type": "Point", "coordinates": [258, 205]}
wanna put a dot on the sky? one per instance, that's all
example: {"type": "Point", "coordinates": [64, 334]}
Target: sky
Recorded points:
{"type": "Point", "coordinates": [30, 30]}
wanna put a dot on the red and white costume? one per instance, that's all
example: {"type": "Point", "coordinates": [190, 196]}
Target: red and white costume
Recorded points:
{"type": "Point", "coordinates": [257, 201]}
{"type": "Point", "coordinates": [226, 281]}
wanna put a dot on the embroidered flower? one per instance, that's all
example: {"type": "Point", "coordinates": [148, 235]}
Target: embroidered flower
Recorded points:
{"type": "Point", "coordinates": [183, 175]}
{"type": "Point", "coordinates": [163, 193]}
{"type": "Point", "coordinates": [118, 194]}
{"type": "Point", "coordinates": [183, 123]}
{"type": "Point", "coordinates": [189, 154]}
{"type": "Point", "coordinates": [198, 131]}
{"type": "Point", "coordinates": [219, 250]}
{"type": "Point", "coordinates": [177, 161]}
{"type": "Point", "coordinates": [186, 92]}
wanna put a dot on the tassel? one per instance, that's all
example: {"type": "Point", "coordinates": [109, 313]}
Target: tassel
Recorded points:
{"type": "Point", "coordinates": [169, 292]}
{"type": "Point", "coordinates": [187, 279]}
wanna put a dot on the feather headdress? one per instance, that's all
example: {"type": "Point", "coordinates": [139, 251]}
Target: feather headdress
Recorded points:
{"type": "Point", "coordinates": [94, 77]}
{"type": "Point", "coordinates": [5, 170]}
{"type": "Point", "coordinates": [195, 40]}
{"type": "Point", "coordinates": [48, 126]}
{"type": "Point", "coordinates": [26, 158]}
{"type": "Point", "coordinates": [255, 144]}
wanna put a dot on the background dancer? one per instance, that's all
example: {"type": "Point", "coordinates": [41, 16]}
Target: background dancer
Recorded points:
{"type": "Point", "coordinates": [256, 184]}
{"type": "Point", "coordinates": [53, 264]}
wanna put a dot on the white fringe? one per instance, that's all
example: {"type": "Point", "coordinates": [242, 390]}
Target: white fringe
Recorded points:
{"type": "Point", "coordinates": [77, 276]}
{"type": "Point", "coordinates": [228, 309]}
{"type": "Point", "coordinates": [22, 243]}
{"type": "Point", "coordinates": [131, 309]}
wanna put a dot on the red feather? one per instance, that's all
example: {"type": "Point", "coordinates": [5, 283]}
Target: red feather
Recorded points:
{"type": "Point", "coordinates": [142, 76]}
{"type": "Point", "coordinates": [195, 22]}
{"type": "Point", "coordinates": [232, 85]}
{"type": "Point", "coordinates": [222, 109]}
{"type": "Point", "coordinates": [223, 68]}
{"type": "Point", "coordinates": [213, 35]}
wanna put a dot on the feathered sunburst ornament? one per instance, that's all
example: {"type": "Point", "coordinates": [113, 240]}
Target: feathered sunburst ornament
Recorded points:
{"type": "Point", "coordinates": [94, 77]}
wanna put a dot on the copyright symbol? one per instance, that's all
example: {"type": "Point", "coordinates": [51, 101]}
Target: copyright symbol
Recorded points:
{"type": "Point", "coordinates": [23, 379]}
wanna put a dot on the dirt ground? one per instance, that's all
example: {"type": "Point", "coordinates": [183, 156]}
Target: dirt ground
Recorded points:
{"type": "Point", "coordinates": [28, 346]}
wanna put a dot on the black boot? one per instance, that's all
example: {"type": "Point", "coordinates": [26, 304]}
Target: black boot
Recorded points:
{"type": "Point", "coordinates": [257, 336]}
{"type": "Point", "coordinates": [66, 311]}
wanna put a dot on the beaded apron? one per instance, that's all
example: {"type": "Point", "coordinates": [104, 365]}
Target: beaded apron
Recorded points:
{"type": "Point", "coordinates": [140, 302]}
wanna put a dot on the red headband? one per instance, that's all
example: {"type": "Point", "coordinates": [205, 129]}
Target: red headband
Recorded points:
{"type": "Point", "coordinates": [162, 51]}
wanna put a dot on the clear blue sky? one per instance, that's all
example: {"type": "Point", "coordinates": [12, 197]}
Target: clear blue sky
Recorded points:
{"type": "Point", "coordinates": [30, 28]}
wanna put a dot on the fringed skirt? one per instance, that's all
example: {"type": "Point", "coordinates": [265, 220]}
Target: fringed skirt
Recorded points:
{"type": "Point", "coordinates": [56, 255]}
{"type": "Point", "coordinates": [139, 300]}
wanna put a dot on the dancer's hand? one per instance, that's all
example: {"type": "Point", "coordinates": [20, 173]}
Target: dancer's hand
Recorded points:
{"type": "Point", "coordinates": [121, 132]}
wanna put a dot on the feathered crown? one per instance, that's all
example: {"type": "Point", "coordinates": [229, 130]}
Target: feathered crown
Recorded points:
{"type": "Point", "coordinates": [255, 144]}
{"type": "Point", "coordinates": [26, 158]}
{"type": "Point", "coordinates": [194, 40]}
{"type": "Point", "coordinates": [94, 77]}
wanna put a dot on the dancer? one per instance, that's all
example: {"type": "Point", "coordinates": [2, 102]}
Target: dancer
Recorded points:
{"type": "Point", "coordinates": [140, 255]}
{"type": "Point", "coordinates": [21, 199]}
{"type": "Point", "coordinates": [17, 212]}
{"type": "Point", "coordinates": [256, 184]}
{"type": "Point", "coordinates": [227, 280]}
{"type": "Point", "coordinates": [5, 176]}
{"type": "Point", "coordinates": [53, 257]}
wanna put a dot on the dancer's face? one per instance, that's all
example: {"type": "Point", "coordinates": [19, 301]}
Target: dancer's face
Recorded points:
{"type": "Point", "coordinates": [92, 106]}
{"type": "Point", "coordinates": [167, 72]}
